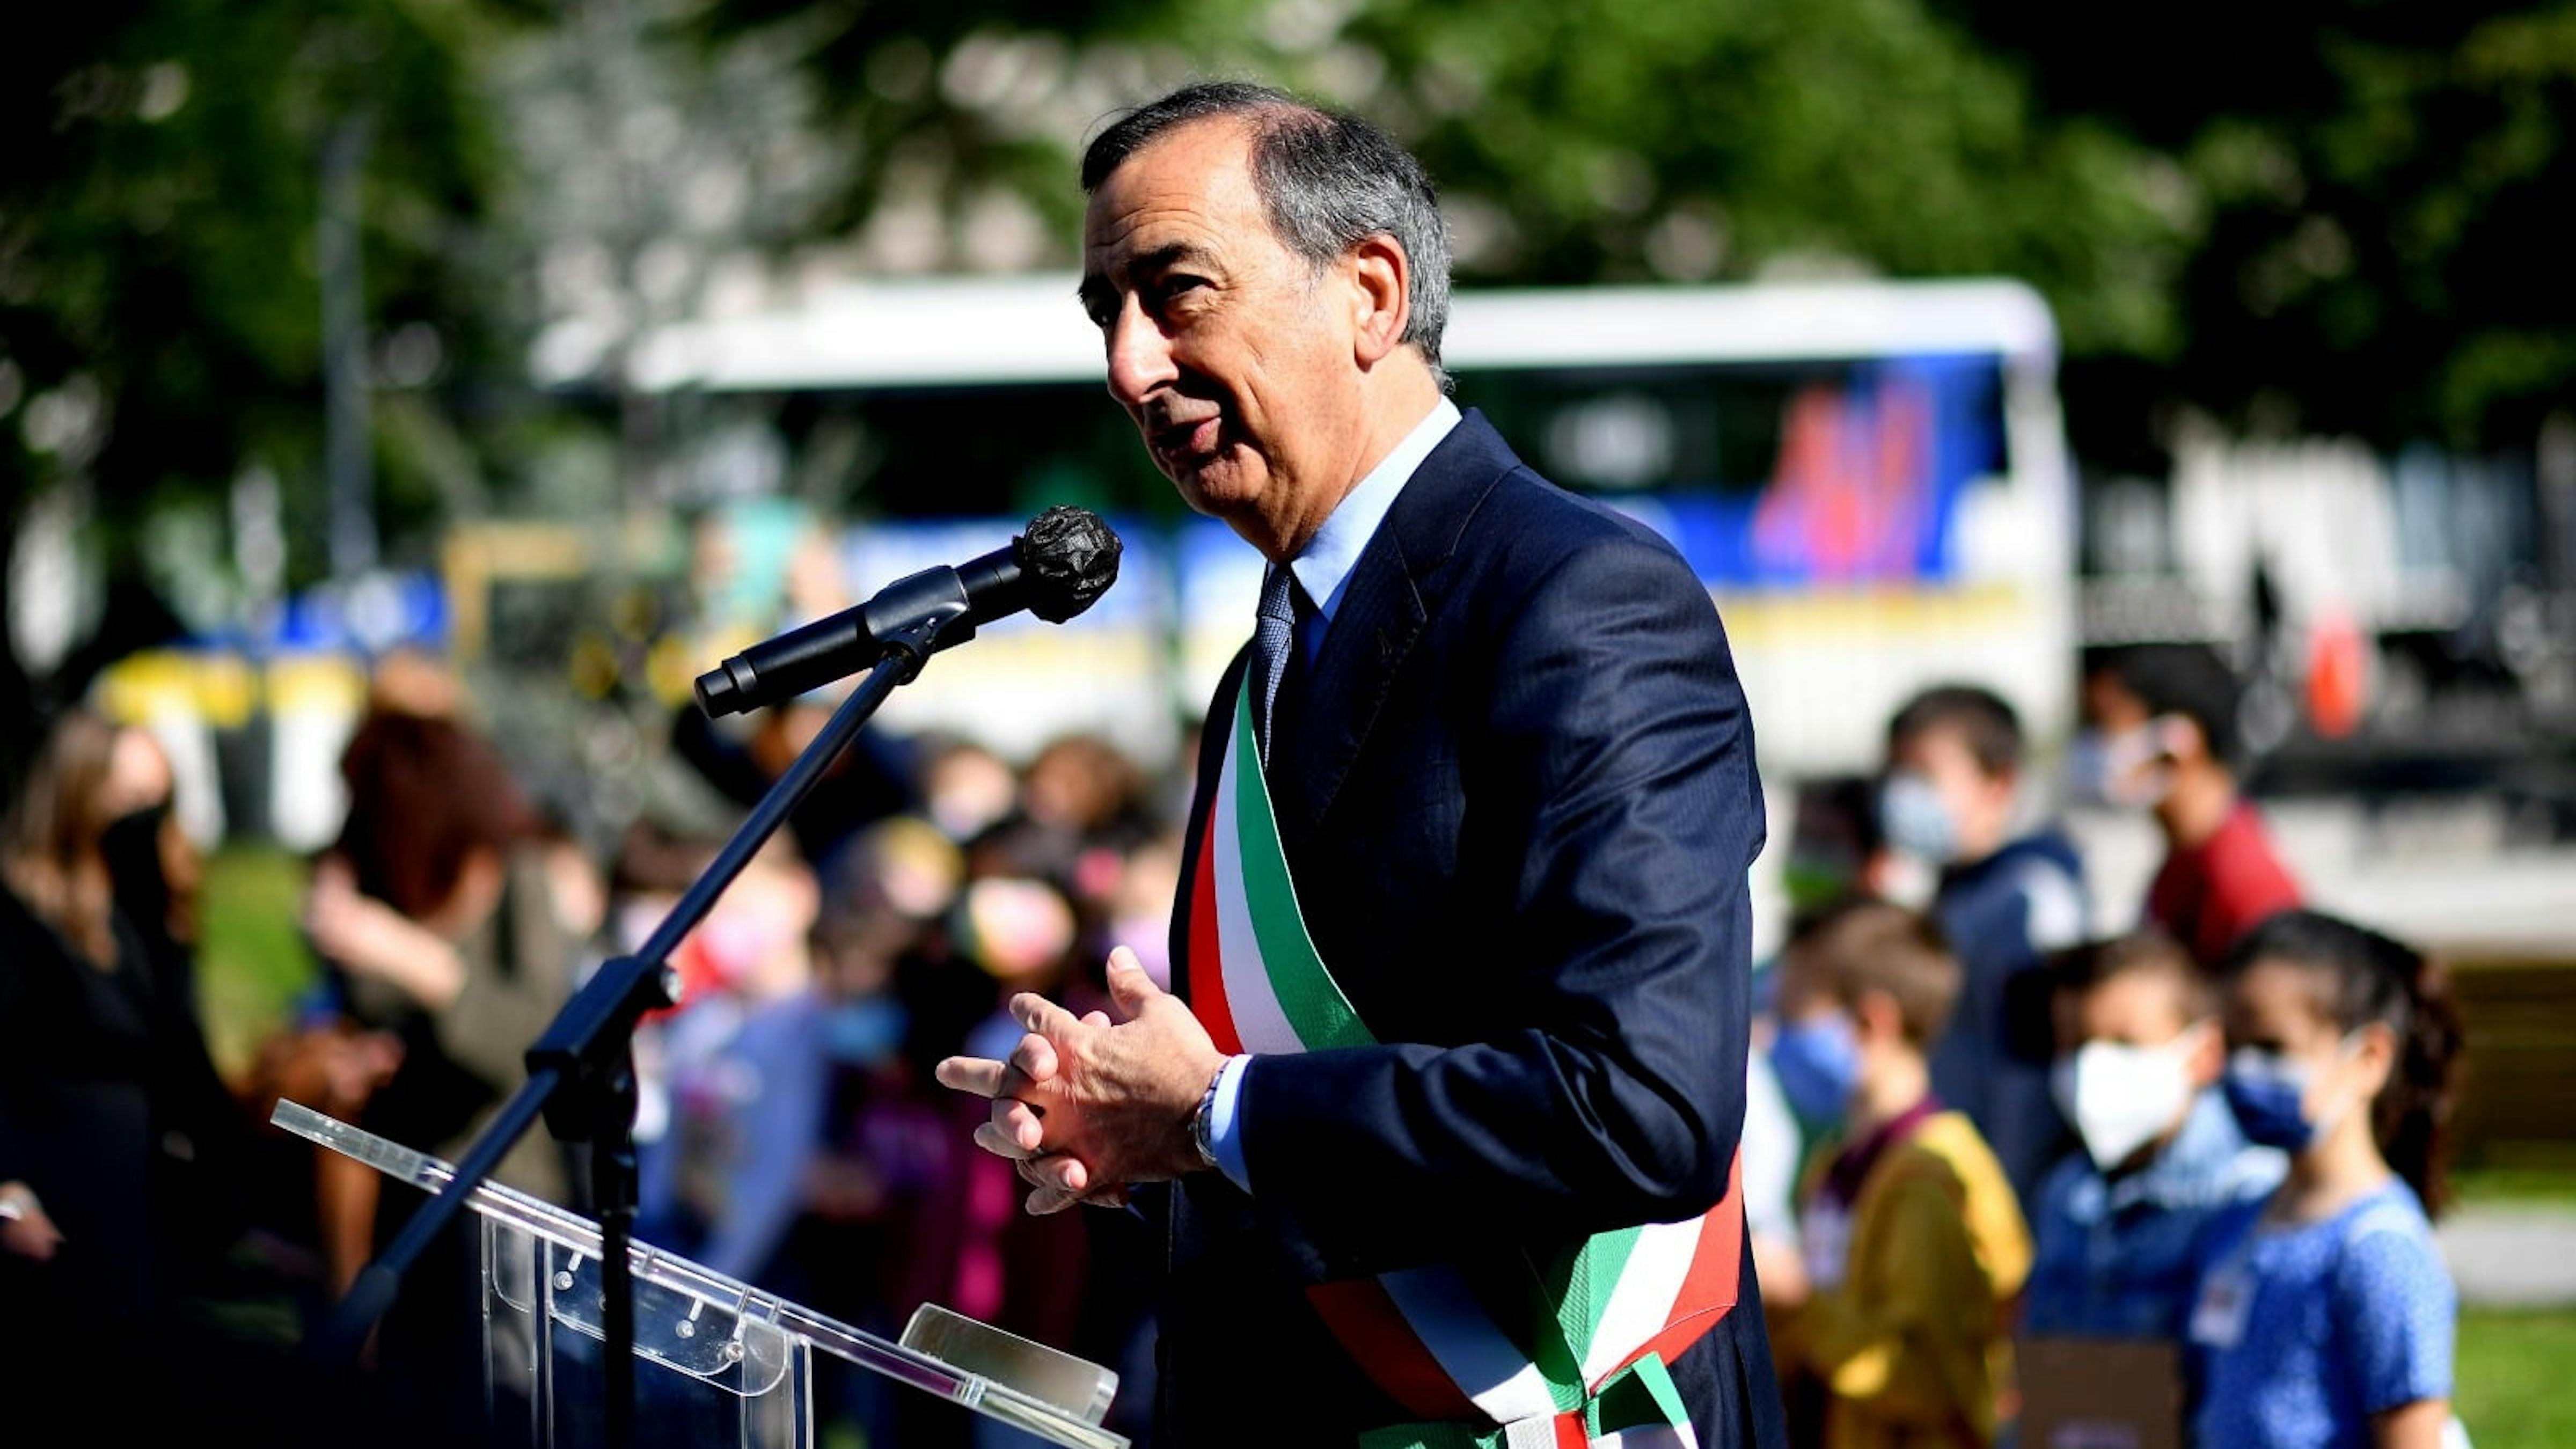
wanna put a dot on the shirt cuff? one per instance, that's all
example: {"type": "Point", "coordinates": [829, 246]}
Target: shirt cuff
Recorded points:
{"type": "Point", "coordinates": [1225, 1125]}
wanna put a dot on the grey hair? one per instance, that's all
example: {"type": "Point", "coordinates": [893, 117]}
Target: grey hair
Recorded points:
{"type": "Point", "coordinates": [1327, 182]}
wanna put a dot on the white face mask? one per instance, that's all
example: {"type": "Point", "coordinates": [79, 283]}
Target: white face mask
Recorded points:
{"type": "Point", "coordinates": [2120, 1097]}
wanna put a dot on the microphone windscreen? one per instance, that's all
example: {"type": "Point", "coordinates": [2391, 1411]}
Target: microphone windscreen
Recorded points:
{"type": "Point", "coordinates": [1068, 558]}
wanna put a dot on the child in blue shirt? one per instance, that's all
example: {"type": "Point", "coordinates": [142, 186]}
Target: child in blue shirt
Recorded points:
{"type": "Point", "coordinates": [2325, 1315]}
{"type": "Point", "coordinates": [2121, 1224]}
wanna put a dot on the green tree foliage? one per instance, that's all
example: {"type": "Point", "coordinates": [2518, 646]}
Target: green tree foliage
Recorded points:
{"type": "Point", "coordinates": [1575, 142]}
{"type": "Point", "coordinates": [160, 325]}
{"type": "Point", "coordinates": [2382, 191]}
{"type": "Point", "coordinates": [1737, 139]}
{"type": "Point", "coordinates": [940, 103]}
{"type": "Point", "coordinates": [2328, 215]}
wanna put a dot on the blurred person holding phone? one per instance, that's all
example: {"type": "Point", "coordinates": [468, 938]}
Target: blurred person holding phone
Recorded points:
{"type": "Point", "coordinates": [2161, 729]}
{"type": "Point", "coordinates": [444, 920]}
{"type": "Point", "coordinates": [436, 915]}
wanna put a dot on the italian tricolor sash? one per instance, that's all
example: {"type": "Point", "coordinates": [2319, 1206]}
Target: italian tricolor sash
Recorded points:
{"type": "Point", "coordinates": [1564, 1349]}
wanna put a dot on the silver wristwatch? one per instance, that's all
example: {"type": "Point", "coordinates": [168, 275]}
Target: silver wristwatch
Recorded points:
{"type": "Point", "coordinates": [1203, 1121]}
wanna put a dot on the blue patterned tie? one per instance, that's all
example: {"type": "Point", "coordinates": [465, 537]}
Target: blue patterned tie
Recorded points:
{"type": "Point", "coordinates": [1273, 637]}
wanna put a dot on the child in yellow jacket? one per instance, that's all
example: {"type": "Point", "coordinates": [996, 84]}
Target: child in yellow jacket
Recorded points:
{"type": "Point", "coordinates": [1892, 1315]}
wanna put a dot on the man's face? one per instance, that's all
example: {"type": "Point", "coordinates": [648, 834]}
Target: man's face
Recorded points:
{"type": "Point", "coordinates": [1234, 357]}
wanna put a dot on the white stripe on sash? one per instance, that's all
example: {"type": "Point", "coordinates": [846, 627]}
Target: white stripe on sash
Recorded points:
{"type": "Point", "coordinates": [1484, 1365]}
{"type": "Point", "coordinates": [1658, 1264]}
{"type": "Point", "coordinates": [1259, 1022]}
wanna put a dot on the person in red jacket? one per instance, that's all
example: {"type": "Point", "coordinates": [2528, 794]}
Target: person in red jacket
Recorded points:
{"type": "Point", "coordinates": [2161, 721]}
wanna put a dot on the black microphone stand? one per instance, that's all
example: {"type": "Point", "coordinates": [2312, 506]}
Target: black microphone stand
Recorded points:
{"type": "Point", "coordinates": [581, 1071]}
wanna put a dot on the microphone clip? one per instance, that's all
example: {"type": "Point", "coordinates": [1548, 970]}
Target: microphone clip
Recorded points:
{"type": "Point", "coordinates": [918, 616]}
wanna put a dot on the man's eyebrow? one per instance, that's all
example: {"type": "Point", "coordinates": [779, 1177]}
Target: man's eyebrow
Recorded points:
{"type": "Point", "coordinates": [1095, 285]}
{"type": "Point", "coordinates": [1168, 254]}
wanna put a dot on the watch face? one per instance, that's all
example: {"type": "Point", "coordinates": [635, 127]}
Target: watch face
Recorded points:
{"type": "Point", "coordinates": [1203, 1121]}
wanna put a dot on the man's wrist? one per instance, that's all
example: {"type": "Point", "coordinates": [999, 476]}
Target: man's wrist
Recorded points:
{"type": "Point", "coordinates": [1218, 1127]}
{"type": "Point", "coordinates": [1203, 1120]}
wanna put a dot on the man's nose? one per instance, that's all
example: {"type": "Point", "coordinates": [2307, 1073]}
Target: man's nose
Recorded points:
{"type": "Point", "coordinates": [1140, 355]}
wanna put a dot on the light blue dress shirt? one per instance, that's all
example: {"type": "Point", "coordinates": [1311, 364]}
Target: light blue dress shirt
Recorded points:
{"type": "Point", "coordinates": [1323, 570]}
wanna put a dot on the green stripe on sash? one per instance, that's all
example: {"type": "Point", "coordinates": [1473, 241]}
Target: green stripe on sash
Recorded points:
{"type": "Point", "coordinates": [1308, 996]}
{"type": "Point", "coordinates": [1591, 1278]}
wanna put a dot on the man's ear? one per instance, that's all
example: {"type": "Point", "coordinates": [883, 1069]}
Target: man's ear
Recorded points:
{"type": "Point", "coordinates": [1381, 296]}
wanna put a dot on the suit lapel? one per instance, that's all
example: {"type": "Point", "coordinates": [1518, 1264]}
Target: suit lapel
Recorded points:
{"type": "Point", "coordinates": [1392, 591]}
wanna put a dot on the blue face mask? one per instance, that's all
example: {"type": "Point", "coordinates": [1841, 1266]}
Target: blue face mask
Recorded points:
{"type": "Point", "coordinates": [2268, 1093]}
{"type": "Point", "coordinates": [864, 1031]}
{"type": "Point", "coordinates": [1913, 817]}
{"type": "Point", "coordinates": [1817, 1062]}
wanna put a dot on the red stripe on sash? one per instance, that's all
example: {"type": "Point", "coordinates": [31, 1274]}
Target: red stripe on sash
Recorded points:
{"type": "Point", "coordinates": [1373, 1331]}
{"type": "Point", "coordinates": [1715, 1279]}
{"type": "Point", "coordinates": [1206, 968]}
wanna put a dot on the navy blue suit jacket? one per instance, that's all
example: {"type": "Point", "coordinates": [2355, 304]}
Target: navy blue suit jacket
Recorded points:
{"type": "Point", "coordinates": [1518, 797]}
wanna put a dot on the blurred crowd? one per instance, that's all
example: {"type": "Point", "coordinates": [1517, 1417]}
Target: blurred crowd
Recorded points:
{"type": "Point", "coordinates": [2034, 1175]}
{"type": "Point", "coordinates": [2012, 1167]}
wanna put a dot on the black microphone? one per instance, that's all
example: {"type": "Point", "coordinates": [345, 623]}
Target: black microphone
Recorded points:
{"type": "Point", "coordinates": [1067, 559]}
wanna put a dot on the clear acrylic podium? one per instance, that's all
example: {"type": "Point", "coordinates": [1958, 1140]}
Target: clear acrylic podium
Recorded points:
{"type": "Point", "coordinates": [720, 1362]}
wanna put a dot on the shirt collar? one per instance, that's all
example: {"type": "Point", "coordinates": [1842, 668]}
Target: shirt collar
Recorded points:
{"type": "Point", "coordinates": [1324, 569]}
{"type": "Point", "coordinates": [2208, 1140]}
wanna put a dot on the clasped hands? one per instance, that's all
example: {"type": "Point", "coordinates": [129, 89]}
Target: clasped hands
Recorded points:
{"type": "Point", "coordinates": [1084, 1106]}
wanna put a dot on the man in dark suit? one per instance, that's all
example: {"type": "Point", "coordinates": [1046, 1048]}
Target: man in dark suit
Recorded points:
{"type": "Point", "coordinates": [1449, 1095]}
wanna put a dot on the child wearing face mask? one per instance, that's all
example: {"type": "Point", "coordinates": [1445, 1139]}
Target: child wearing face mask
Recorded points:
{"type": "Point", "coordinates": [2120, 1224]}
{"type": "Point", "coordinates": [1892, 1309]}
{"type": "Point", "coordinates": [2006, 895]}
{"type": "Point", "coordinates": [2160, 729]}
{"type": "Point", "coordinates": [2325, 1315]}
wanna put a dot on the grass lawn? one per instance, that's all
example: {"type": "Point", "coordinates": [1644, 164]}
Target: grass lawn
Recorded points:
{"type": "Point", "coordinates": [2514, 1387]}
{"type": "Point", "coordinates": [252, 958]}
{"type": "Point", "coordinates": [2528, 1176]}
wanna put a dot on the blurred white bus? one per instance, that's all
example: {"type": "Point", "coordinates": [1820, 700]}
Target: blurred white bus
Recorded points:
{"type": "Point", "coordinates": [1872, 477]}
